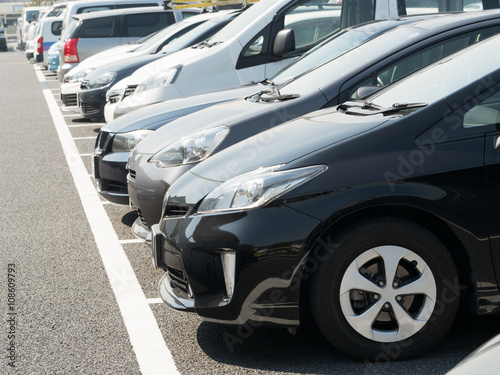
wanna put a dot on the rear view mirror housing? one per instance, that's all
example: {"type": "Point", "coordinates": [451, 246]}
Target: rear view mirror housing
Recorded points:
{"type": "Point", "coordinates": [365, 91]}
{"type": "Point", "coordinates": [284, 42]}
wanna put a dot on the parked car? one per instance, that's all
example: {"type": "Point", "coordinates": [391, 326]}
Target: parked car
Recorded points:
{"type": "Point", "coordinates": [97, 31]}
{"type": "Point", "coordinates": [156, 162]}
{"type": "Point", "coordinates": [29, 41]}
{"type": "Point", "coordinates": [28, 16]}
{"type": "Point", "coordinates": [256, 45]}
{"type": "Point", "coordinates": [89, 6]}
{"type": "Point", "coordinates": [53, 58]}
{"type": "Point", "coordinates": [47, 32]}
{"type": "Point", "coordinates": [381, 213]}
{"type": "Point", "coordinates": [3, 37]}
{"type": "Point", "coordinates": [95, 85]}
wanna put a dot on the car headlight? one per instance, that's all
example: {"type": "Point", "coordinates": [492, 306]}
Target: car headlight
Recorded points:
{"type": "Point", "coordinates": [191, 149]}
{"type": "Point", "coordinates": [78, 76]}
{"type": "Point", "coordinates": [125, 142]}
{"type": "Point", "coordinates": [161, 79]}
{"type": "Point", "coordinates": [101, 80]}
{"type": "Point", "coordinates": [256, 188]}
{"type": "Point", "coordinates": [114, 95]}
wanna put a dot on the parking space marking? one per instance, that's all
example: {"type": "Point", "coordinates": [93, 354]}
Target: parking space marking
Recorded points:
{"type": "Point", "coordinates": [135, 240]}
{"type": "Point", "coordinates": [85, 125]}
{"type": "Point", "coordinates": [153, 301]}
{"type": "Point", "coordinates": [152, 353]}
{"type": "Point", "coordinates": [83, 138]}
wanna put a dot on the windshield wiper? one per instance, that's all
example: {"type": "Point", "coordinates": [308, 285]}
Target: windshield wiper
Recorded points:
{"type": "Point", "coordinates": [362, 107]}
{"type": "Point", "coordinates": [277, 97]}
{"type": "Point", "coordinates": [206, 44]}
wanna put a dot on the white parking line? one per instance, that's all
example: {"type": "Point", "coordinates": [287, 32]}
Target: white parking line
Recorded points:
{"type": "Point", "coordinates": [83, 138]}
{"type": "Point", "coordinates": [135, 240]}
{"type": "Point", "coordinates": [152, 301]}
{"type": "Point", "coordinates": [147, 341]}
{"type": "Point", "coordinates": [85, 125]}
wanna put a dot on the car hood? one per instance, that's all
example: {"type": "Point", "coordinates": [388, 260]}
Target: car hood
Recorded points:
{"type": "Point", "coordinates": [157, 115]}
{"type": "Point", "coordinates": [286, 143]}
{"type": "Point", "coordinates": [127, 62]}
{"type": "Point", "coordinates": [181, 57]}
{"type": "Point", "coordinates": [216, 115]}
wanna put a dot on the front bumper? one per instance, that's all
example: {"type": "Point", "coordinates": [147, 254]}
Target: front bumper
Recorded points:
{"type": "Point", "coordinates": [109, 170]}
{"type": "Point", "coordinates": [92, 102]}
{"type": "Point", "coordinates": [261, 285]}
{"type": "Point", "coordinates": [147, 185]}
{"type": "Point", "coordinates": [69, 96]}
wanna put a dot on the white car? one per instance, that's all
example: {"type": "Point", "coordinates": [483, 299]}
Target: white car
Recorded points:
{"type": "Point", "coordinates": [48, 32]}
{"type": "Point", "coordinates": [259, 42]}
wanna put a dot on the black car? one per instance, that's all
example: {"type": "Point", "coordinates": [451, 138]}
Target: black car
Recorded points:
{"type": "Point", "coordinates": [378, 214]}
{"type": "Point", "coordinates": [389, 55]}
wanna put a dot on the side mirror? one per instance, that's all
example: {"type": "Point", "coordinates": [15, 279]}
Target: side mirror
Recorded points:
{"type": "Point", "coordinates": [284, 42]}
{"type": "Point", "coordinates": [365, 91]}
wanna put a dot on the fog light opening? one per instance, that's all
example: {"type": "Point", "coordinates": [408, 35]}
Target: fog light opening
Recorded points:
{"type": "Point", "coordinates": [229, 269]}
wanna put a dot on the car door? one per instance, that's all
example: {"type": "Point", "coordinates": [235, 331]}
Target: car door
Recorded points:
{"type": "Point", "coordinates": [311, 21]}
{"type": "Point", "coordinates": [97, 34]}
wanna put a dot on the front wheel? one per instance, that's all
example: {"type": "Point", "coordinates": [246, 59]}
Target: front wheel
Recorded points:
{"type": "Point", "coordinates": [387, 289]}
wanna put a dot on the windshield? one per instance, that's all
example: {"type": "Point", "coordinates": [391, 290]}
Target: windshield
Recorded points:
{"type": "Point", "coordinates": [442, 78]}
{"type": "Point", "coordinates": [206, 29]}
{"type": "Point", "coordinates": [339, 56]}
{"type": "Point", "coordinates": [161, 35]}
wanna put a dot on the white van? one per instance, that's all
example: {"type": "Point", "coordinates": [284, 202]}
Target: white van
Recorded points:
{"type": "Point", "coordinates": [28, 16]}
{"type": "Point", "coordinates": [48, 32]}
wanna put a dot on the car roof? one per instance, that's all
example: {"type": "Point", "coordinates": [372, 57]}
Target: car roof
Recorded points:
{"type": "Point", "coordinates": [119, 12]}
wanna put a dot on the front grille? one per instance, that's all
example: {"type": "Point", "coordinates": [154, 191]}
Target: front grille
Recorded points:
{"type": "Point", "coordinates": [129, 90]}
{"type": "Point", "coordinates": [141, 218]}
{"type": "Point", "coordinates": [178, 278]}
{"type": "Point", "coordinates": [90, 108]}
{"type": "Point", "coordinates": [101, 140]}
{"type": "Point", "coordinates": [69, 100]}
{"type": "Point", "coordinates": [117, 186]}
{"type": "Point", "coordinates": [172, 210]}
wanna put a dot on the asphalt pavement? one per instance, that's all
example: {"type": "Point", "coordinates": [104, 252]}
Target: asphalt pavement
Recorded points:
{"type": "Point", "coordinates": [61, 310]}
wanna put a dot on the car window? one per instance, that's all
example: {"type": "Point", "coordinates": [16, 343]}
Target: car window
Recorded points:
{"type": "Point", "coordinates": [188, 14]}
{"type": "Point", "coordinates": [104, 27]}
{"type": "Point", "coordinates": [56, 27]}
{"type": "Point", "coordinates": [141, 24]}
{"type": "Point", "coordinates": [422, 58]}
{"type": "Point", "coordinates": [478, 116]}
{"type": "Point", "coordinates": [93, 9]}
{"type": "Point", "coordinates": [482, 112]}
{"type": "Point", "coordinates": [311, 24]}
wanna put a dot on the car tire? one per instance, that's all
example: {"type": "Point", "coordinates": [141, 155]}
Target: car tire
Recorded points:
{"type": "Point", "coordinates": [385, 289]}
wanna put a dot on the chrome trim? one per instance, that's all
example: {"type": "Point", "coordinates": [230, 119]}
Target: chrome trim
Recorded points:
{"type": "Point", "coordinates": [229, 268]}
